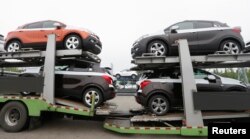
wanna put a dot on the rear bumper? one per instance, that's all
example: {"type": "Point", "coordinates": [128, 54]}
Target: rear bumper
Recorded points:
{"type": "Point", "coordinates": [140, 99]}
{"type": "Point", "coordinates": [109, 93]}
{"type": "Point", "coordinates": [92, 44]}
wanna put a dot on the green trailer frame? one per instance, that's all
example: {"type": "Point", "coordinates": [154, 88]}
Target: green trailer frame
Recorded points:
{"type": "Point", "coordinates": [37, 105]}
{"type": "Point", "coordinates": [184, 131]}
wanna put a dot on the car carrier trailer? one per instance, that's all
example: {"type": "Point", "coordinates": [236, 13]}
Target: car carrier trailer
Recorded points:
{"type": "Point", "coordinates": [16, 109]}
{"type": "Point", "coordinates": [191, 122]}
{"type": "Point", "coordinates": [200, 108]}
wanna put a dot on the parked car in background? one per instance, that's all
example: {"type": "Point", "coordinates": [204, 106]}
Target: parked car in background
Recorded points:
{"type": "Point", "coordinates": [161, 90]}
{"type": "Point", "coordinates": [1, 43]}
{"type": "Point", "coordinates": [126, 72]}
{"type": "Point", "coordinates": [79, 83]}
{"type": "Point", "coordinates": [34, 35]}
{"type": "Point", "coordinates": [204, 37]}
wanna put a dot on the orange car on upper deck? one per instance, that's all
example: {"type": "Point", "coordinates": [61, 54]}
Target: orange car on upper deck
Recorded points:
{"type": "Point", "coordinates": [34, 36]}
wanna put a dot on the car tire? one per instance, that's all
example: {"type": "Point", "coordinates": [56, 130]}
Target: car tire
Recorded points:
{"type": "Point", "coordinates": [118, 76]}
{"type": "Point", "coordinates": [133, 76]}
{"type": "Point", "coordinates": [14, 46]}
{"type": "Point", "coordinates": [230, 46]}
{"type": "Point", "coordinates": [87, 97]}
{"type": "Point", "coordinates": [159, 48]}
{"type": "Point", "coordinates": [158, 105]}
{"type": "Point", "coordinates": [13, 117]}
{"type": "Point", "coordinates": [72, 42]}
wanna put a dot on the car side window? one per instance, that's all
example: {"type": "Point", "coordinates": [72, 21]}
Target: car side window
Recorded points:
{"type": "Point", "coordinates": [49, 24]}
{"type": "Point", "coordinates": [185, 25]}
{"type": "Point", "coordinates": [34, 25]}
{"type": "Point", "coordinates": [199, 74]}
{"type": "Point", "coordinates": [204, 24]}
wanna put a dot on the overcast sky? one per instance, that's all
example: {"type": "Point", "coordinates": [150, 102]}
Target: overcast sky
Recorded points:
{"type": "Point", "coordinates": [119, 23]}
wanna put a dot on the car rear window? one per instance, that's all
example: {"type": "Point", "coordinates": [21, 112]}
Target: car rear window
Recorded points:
{"type": "Point", "coordinates": [204, 25]}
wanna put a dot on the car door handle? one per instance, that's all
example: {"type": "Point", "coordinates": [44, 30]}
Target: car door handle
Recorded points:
{"type": "Point", "coordinates": [20, 31]}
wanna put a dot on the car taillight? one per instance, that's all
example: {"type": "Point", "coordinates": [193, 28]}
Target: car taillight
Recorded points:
{"type": "Point", "coordinates": [237, 29]}
{"type": "Point", "coordinates": [108, 79]}
{"type": "Point", "coordinates": [144, 83]}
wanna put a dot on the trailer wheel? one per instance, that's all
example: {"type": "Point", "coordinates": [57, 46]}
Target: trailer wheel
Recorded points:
{"type": "Point", "coordinates": [13, 117]}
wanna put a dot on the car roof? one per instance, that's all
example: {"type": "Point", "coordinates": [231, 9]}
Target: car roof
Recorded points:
{"type": "Point", "coordinates": [201, 21]}
{"type": "Point", "coordinates": [37, 22]}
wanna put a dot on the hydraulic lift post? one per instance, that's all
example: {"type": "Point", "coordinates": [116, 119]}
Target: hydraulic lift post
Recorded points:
{"type": "Point", "coordinates": [49, 70]}
{"type": "Point", "coordinates": [193, 117]}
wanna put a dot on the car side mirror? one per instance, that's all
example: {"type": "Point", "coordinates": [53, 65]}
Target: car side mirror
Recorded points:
{"type": "Point", "coordinates": [211, 77]}
{"type": "Point", "coordinates": [174, 29]}
{"type": "Point", "coordinates": [57, 25]}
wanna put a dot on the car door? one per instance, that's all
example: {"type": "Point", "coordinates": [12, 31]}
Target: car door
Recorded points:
{"type": "Point", "coordinates": [203, 83]}
{"type": "Point", "coordinates": [68, 84]}
{"type": "Point", "coordinates": [206, 35]}
{"type": "Point", "coordinates": [185, 31]}
{"type": "Point", "coordinates": [30, 34]}
{"type": "Point", "coordinates": [49, 28]}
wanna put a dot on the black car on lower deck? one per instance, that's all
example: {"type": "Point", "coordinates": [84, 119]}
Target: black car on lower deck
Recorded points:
{"type": "Point", "coordinates": [80, 83]}
{"type": "Point", "coordinates": [204, 37]}
{"type": "Point", "coordinates": [161, 90]}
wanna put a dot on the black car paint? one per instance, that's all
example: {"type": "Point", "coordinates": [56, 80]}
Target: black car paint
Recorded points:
{"type": "Point", "coordinates": [205, 42]}
{"type": "Point", "coordinates": [173, 91]}
{"type": "Point", "coordinates": [75, 85]}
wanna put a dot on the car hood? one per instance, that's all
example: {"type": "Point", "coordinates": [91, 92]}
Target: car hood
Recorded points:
{"type": "Point", "coordinates": [80, 29]}
{"type": "Point", "coordinates": [225, 80]}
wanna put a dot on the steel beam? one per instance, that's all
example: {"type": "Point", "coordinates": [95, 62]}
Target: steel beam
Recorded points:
{"type": "Point", "coordinates": [49, 70]}
{"type": "Point", "coordinates": [193, 117]}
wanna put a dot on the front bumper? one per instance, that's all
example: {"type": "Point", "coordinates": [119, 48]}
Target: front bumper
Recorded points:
{"type": "Point", "coordinates": [92, 44]}
{"type": "Point", "coordinates": [137, 50]}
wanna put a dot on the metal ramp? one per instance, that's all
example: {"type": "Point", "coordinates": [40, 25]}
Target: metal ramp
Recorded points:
{"type": "Point", "coordinates": [105, 109]}
{"type": "Point", "coordinates": [37, 58]}
{"type": "Point", "coordinates": [179, 116]}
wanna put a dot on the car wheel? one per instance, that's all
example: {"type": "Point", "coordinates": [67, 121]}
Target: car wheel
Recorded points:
{"type": "Point", "coordinates": [87, 97]}
{"type": "Point", "coordinates": [158, 105]}
{"type": "Point", "coordinates": [158, 48]}
{"type": "Point", "coordinates": [13, 117]}
{"type": "Point", "coordinates": [133, 76]}
{"type": "Point", "coordinates": [118, 76]}
{"type": "Point", "coordinates": [230, 46]}
{"type": "Point", "coordinates": [72, 42]}
{"type": "Point", "coordinates": [14, 46]}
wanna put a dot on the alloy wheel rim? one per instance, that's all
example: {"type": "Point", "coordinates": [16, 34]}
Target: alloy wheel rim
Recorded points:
{"type": "Point", "coordinates": [12, 117]}
{"type": "Point", "coordinates": [231, 48]}
{"type": "Point", "coordinates": [159, 105]}
{"type": "Point", "coordinates": [13, 47]}
{"type": "Point", "coordinates": [72, 43]}
{"type": "Point", "coordinates": [158, 49]}
{"type": "Point", "coordinates": [89, 95]}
